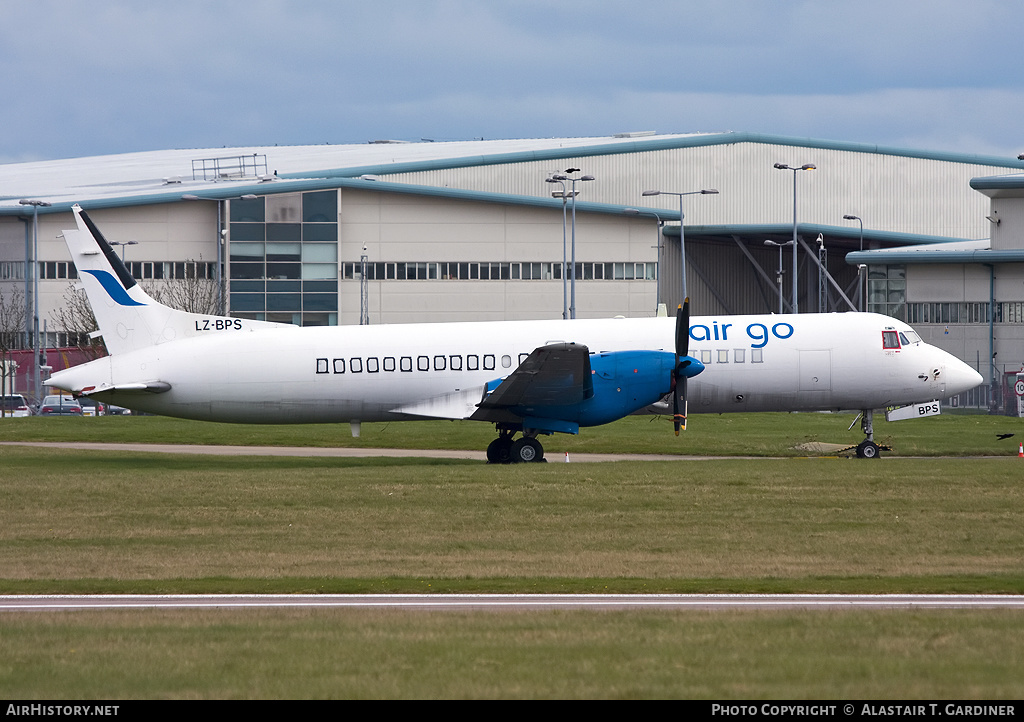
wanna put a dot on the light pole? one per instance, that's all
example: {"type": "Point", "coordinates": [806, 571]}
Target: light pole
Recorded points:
{"type": "Point", "coordinates": [778, 276]}
{"type": "Point", "coordinates": [123, 244]}
{"type": "Point", "coordinates": [860, 268]}
{"type": "Point", "coordinates": [805, 166]}
{"type": "Point", "coordinates": [657, 246]}
{"type": "Point", "coordinates": [565, 281]}
{"type": "Point", "coordinates": [682, 239]}
{"type": "Point", "coordinates": [34, 262]}
{"type": "Point", "coordinates": [364, 291]}
{"type": "Point", "coordinates": [572, 194]}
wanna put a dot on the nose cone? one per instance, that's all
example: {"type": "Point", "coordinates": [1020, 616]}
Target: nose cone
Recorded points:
{"type": "Point", "coordinates": [693, 368]}
{"type": "Point", "coordinates": [954, 375]}
{"type": "Point", "coordinates": [960, 377]}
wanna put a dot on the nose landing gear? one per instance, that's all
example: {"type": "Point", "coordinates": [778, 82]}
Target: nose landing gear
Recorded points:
{"type": "Point", "coordinates": [867, 449]}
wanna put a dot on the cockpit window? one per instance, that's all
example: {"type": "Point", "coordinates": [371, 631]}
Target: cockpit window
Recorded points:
{"type": "Point", "coordinates": [903, 339]}
{"type": "Point", "coordinates": [914, 338]}
{"type": "Point", "coordinates": [890, 340]}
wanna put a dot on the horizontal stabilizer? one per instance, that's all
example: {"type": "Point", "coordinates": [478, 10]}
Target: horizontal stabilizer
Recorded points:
{"type": "Point", "coordinates": [151, 387]}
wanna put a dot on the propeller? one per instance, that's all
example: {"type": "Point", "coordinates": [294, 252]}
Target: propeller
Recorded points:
{"type": "Point", "coordinates": [682, 362]}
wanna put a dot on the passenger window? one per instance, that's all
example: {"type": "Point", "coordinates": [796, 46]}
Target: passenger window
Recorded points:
{"type": "Point", "coordinates": [705, 356]}
{"type": "Point", "coordinates": [506, 361]}
{"type": "Point", "coordinates": [723, 356]}
{"type": "Point", "coordinates": [472, 363]}
{"type": "Point", "coordinates": [389, 363]}
{"type": "Point", "coordinates": [372, 365]}
{"type": "Point", "coordinates": [406, 364]}
{"type": "Point", "coordinates": [355, 365]}
{"type": "Point", "coordinates": [422, 363]}
{"type": "Point", "coordinates": [439, 364]}
{"type": "Point", "coordinates": [523, 357]}
{"type": "Point", "coordinates": [738, 355]}
{"type": "Point", "coordinates": [321, 365]}
{"type": "Point", "coordinates": [339, 365]}
{"type": "Point", "coordinates": [756, 355]}
{"type": "Point", "coordinates": [489, 362]}
{"type": "Point", "coordinates": [455, 363]}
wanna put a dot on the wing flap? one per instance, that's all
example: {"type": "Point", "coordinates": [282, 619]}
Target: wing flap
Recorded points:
{"type": "Point", "coordinates": [456, 405]}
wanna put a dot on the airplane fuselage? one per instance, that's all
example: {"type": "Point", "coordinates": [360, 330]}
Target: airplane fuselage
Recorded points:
{"type": "Point", "coordinates": [229, 372]}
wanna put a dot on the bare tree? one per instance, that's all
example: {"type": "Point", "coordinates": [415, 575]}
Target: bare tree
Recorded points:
{"type": "Point", "coordinates": [75, 318]}
{"type": "Point", "coordinates": [12, 318]}
{"type": "Point", "coordinates": [12, 325]}
{"type": "Point", "coordinates": [194, 293]}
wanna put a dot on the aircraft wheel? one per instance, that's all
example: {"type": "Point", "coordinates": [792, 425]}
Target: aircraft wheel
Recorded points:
{"type": "Point", "coordinates": [499, 451]}
{"type": "Point", "coordinates": [527, 450]}
{"type": "Point", "coordinates": [867, 450]}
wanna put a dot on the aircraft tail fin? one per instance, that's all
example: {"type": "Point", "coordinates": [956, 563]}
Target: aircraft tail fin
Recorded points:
{"type": "Point", "coordinates": [128, 317]}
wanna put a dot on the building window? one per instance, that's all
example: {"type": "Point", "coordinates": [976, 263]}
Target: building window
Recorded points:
{"type": "Point", "coordinates": [289, 242]}
{"type": "Point", "coordinates": [967, 313]}
{"type": "Point", "coordinates": [887, 291]}
{"type": "Point", "coordinates": [474, 271]}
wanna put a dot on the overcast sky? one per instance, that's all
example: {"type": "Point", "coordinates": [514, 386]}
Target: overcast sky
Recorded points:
{"type": "Point", "coordinates": [108, 76]}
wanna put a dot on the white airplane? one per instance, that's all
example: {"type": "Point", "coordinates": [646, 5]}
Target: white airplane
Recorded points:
{"type": "Point", "coordinates": [527, 377]}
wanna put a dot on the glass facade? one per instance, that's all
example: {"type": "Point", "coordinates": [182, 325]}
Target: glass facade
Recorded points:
{"type": "Point", "coordinates": [887, 291]}
{"type": "Point", "coordinates": [283, 258]}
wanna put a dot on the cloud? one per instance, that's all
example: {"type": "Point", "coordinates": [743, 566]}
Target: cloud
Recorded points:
{"type": "Point", "coordinates": [129, 76]}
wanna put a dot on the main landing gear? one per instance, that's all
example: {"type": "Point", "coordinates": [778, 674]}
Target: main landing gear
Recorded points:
{"type": "Point", "coordinates": [504, 450]}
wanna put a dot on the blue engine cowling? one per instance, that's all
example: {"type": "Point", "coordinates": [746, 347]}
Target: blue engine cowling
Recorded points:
{"type": "Point", "coordinates": [623, 382]}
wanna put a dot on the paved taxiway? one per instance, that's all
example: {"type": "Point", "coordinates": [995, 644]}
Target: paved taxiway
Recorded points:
{"type": "Point", "coordinates": [475, 455]}
{"type": "Point", "coordinates": [510, 602]}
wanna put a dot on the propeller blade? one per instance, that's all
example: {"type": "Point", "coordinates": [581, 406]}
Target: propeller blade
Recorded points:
{"type": "Point", "coordinates": [680, 418]}
{"type": "Point", "coordinates": [675, 402]}
{"type": "Point", "coordinates": [683, 330]}
{"type": "Point", "coordinates": [678, 378]}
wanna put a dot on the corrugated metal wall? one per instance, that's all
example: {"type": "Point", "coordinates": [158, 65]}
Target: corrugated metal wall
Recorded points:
{"type": "Point", "coordinates": [891, 193]}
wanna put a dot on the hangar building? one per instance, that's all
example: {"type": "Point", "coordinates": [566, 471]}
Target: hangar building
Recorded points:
{"type": "Point", "coordinates": [389, 232]}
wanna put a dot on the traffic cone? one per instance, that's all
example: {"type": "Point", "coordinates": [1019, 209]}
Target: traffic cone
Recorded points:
{"type": "Point", "coordinates": [567, 455]}
{"type": "Point", "coordinates": [1020, 452]}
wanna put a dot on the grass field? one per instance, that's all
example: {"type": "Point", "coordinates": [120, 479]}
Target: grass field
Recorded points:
{"type": "Point", "coordinates": [768, 434]}
{"type": "Point", "coordinates": [360, 654]}
{"type": "Point", "coordinates": [97, 521]}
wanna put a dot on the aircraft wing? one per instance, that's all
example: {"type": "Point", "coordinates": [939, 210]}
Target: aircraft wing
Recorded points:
{"type": "Point", "coordinates": [555, 375]}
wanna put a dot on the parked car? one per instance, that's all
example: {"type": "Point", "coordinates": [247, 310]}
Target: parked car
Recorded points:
{"type": "Point", "coordinates": [113, 410]}
{"type": "Point", "coordinates": [60, 406]}
{"type": "Point", "coordinates": [15, 405]}
{"type": "Point", "coordinates": [92, 407]}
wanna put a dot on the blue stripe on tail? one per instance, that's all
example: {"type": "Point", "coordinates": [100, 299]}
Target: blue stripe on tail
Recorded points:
{"type": "Point", "coordinates": [113, 288]}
